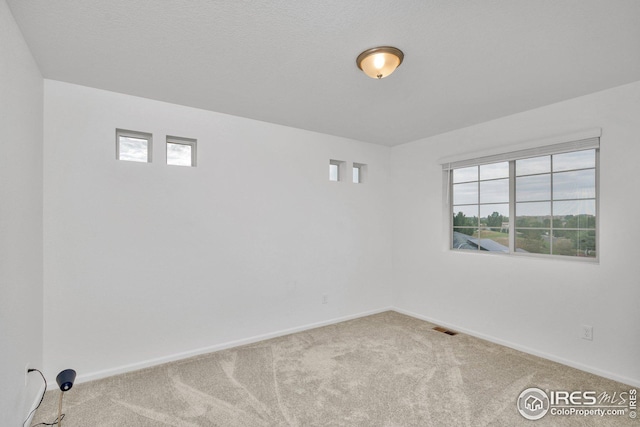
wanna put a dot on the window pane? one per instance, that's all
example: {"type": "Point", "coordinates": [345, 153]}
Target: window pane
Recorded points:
{"type": "Point", "coordinates": [574, 243]}
{"type": "Point", "coordinates": [533, 241]}
{"type": "Point", "coordinates": [465, 216]}
{"type": "Point", "coordinates": [494, 241]}
{"type": "Point", "coordinates": [463, 238]}
{"type": "Point", "coordinates": [500, 208]}
{"type": "Point", "coordinates": [494, 170]}
{"type": "Point", "coordinates": [536, 214]}
{"type": "Point", "coordinates": [533, 165]}
{"type": "Point", "coordinates": [178, 154]}
{"type": "Point", "coordinates": [465, 193]}
{"type": "Point", "coordinates": [494, 191]}
{"type": "Point", "coordinates": [574, 185]}
{"type": "Point", "coordinates": [495, 217]}
{"type": "Point", "coordinates": [575, 160]}
{"type": "Point", "coordinates": [574, 221]}
{"type": "Point", "coordinates": [532, 188]}
{"type": "Point", "coordinates": [466, 238]}
{"type": "Point", "coordinates": [465, 174]}
{"type": "Point", "coordinates": [133, 149]}
{"type": "Point", "coordinates": [356, 175]}
{"type": "Point", "coordinates": [574, 207]}
{"type": "Point", "coordinates": [333, 172]}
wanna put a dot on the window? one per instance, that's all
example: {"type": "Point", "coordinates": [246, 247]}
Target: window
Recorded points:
{"type": "Point", "coordinates": [336, 170]}
{"type": "Point", "coordinates": [181, 151]}
{"type": "Point", "coordinates": [359, 172]}
{"type": "Point", "coordinates": [133, 146]}
{"type": "Point", "coordinates": [541, 201]}
{"type": "Point", "coordinates": [481, 207]}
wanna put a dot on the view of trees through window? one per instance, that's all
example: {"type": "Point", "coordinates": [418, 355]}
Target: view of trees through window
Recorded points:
{"type": "Point", "coordinates": [553, 198]}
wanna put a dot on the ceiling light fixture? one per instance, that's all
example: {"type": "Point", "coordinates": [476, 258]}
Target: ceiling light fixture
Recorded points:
{"type": "Point", "coordinates": [379, 62]}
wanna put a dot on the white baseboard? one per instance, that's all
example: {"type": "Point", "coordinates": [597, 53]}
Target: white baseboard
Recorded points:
{"type": "Point", "coordinates": [596, 371]}
{"type": "Point", "coordinates": [217, 347]}
{"type": "Point", "coordinates": [250, 340]}
{"type": "Point", "coordinates": [33, 406]}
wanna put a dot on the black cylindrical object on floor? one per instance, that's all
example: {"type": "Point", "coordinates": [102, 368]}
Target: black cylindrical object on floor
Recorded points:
{"type": "Point", "coordinates": [65, 379]}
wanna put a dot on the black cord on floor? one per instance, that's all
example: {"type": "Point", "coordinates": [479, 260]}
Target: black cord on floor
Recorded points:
{"type": "Point", "coordinates": [41, 399]}
{"type": "Point", "coordinates": [40, 403]}
{"type": "Point", "coordinates": [55, 422]}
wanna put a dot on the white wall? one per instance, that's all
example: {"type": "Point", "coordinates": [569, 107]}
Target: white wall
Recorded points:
{"type": "Point", "coordinates": [146, 261]}
{"type": "Point", "coordinates": [534, 304]}
{"type": "Point", "coordinates": [156, 262]}
{"type": "Point", "coordinates": [21, 92]}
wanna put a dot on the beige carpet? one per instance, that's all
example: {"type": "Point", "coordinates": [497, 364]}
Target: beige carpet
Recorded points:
{"type": "Point", "coordinates": [382, 370]}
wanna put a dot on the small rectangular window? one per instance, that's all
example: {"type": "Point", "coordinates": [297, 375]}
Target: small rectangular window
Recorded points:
{"type": "Point", "coordinates": [336, 170]}
{"type": "Point", "coordinates": [133, 146]}
{"type": "Point", "coordinates": [359, 172]}
{"type": "Point", "coordinates": [181, 151]}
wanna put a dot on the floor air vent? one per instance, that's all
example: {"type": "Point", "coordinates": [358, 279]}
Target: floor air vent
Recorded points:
{"type": "Point", "coordinates": [444, 330]}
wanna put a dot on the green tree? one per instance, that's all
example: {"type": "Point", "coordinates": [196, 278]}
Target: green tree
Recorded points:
{"type": "Point", "coordinates": [534, 241]}
{"type": "Point", "coordinates": [495, 221]}
{"type": "Point", "coordinates": [461, 220]}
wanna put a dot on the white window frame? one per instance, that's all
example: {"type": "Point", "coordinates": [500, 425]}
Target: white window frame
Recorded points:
{"type": "Point", "coordinates": [182, 141]}
{"type": "Point", "coordinates": [138, 135]}
{"type": "Point", "coordinates": [585, 140]}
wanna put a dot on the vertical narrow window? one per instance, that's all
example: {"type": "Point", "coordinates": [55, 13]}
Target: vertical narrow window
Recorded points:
{"type": "Point", "coordinates": [133, 146]}
{"type": "Point", "coordinates": [336, 170]}
{"type": "Point", "coordinates": [481, 207]}
{"type": "Point", "coordinates": [181, 151]}
{"type": "Point", "coordinates": [556, 204]}
{"type": "Point", "coordinates": [359, 172]}
{"type": "Point", "coordinates": [533, 205]}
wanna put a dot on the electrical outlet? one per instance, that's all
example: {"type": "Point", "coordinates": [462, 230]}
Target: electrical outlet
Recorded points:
{"type": "Point", "coordinates": [325, 299]}
{"type": "Point", "coordinates": [26, 374]}
{"type": "Point", "coordinates": [587, 333]}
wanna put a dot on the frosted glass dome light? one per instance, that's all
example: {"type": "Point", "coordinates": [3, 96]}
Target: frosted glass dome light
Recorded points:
{"type": "Point", "coordinates": [379, 62]}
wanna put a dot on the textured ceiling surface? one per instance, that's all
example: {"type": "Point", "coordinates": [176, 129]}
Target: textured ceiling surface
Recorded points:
{"type": "Point", "coordinates": [292, 62]}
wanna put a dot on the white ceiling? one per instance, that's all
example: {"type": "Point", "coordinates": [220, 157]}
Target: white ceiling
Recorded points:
{"type": "Point", "coordinates": [292, 62]}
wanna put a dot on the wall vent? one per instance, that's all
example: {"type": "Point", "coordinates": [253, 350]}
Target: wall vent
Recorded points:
{"type": "Point", "coordinates": [445, 331]}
